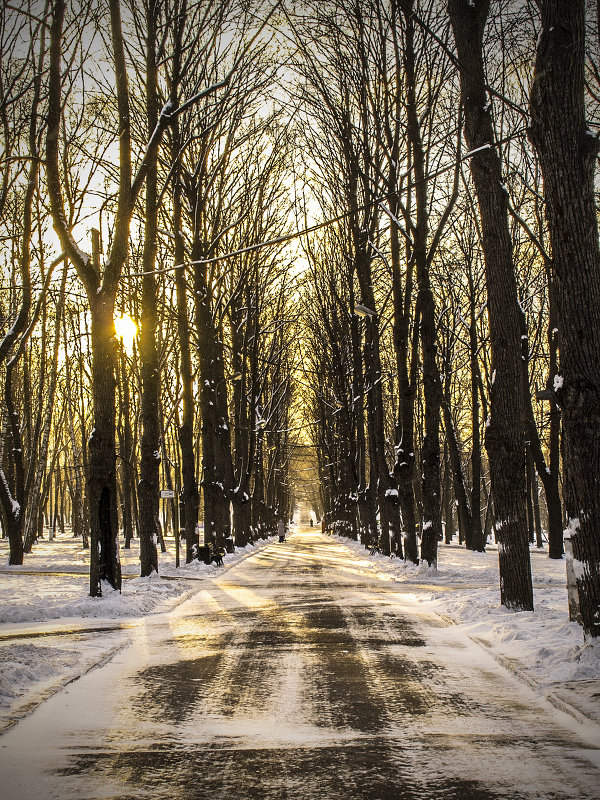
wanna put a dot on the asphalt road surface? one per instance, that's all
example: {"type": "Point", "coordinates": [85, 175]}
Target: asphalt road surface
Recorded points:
{"type": "Point", "coordinates": [300, 673]}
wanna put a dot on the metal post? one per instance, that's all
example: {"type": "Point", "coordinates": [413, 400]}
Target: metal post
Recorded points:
{"type": "Point", "coordinates": [176, 526]}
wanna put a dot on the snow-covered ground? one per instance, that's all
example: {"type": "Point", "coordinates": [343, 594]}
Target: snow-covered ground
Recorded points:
{"type": "Point", "coordinates": [49, 594]}
{"type": "Point", "coordinates": [54, 582]}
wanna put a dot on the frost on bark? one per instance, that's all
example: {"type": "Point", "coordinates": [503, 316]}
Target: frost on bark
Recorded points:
{"type": "Point", "coordinates": [504, 438]}
{"type": "Point", "coordinates": [567, 152]}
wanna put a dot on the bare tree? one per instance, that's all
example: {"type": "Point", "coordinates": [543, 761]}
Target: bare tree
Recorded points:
{"type": "Point", "coordinates": [567, 150]}
{"type": "Point", "coordinates": [148, 487]}
{"type": "Point", "coordinates": [26, 80]}
{"type": "Point", "coordinates": [504, 429]}
{"type": "Point", "coordinates": [101, 291]}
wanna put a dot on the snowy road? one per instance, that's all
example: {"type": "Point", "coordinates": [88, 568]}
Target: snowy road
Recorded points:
{"type": "Point", "coordinates": [301, 672]}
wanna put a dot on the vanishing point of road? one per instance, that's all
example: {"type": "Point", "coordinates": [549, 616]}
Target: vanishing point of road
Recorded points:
{"type": "Point", "coordinates": [301, 673]}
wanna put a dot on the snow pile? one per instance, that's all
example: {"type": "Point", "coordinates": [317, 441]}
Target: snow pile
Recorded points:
{"type": "Point", "coordinates": [550, 647]}
{"type": "Point", "coordinates": [26, 664]}
{"type": "Point", "coordinates": [56, 597]}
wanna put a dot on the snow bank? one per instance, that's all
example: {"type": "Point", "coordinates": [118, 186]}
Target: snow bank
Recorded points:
{"type": "Point", "coordinates": [53, 583]}
{"type": "Point", "coordinates": [54, 597]}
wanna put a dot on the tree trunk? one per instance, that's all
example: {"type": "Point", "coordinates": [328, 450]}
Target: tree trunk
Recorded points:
{"type": "Point", "coordinates": [529, 468]}
{"type": "Point", "coordinates": [101, 293]}
{"type": "Point", "coordinates": [567, 151]}
{"type": "Point", "coordinates": [148, 486]}
{"type": "Point", "coordinates": [127, 455]}
{"type": "Point", "coordinates": [477, 537]}
{"type": "Point", "coordinates": [535, 499]}
{"type": "Point", "coordinates": [245, 347]}
{"type": "Point", "coordinates": [102, 476]}
{"type": "Point", "coordinates": [258, 495]}
{"type": "Point", "coordinates": [548, 475]}
{"type": "Point", "coordinates": [404, 465]}
{"type": "Point", "coordinates": [242, 520]}
{"type": "Point", "coordinates": [217, 466]}
{"type": "Point", "coordinates": [460, 489]}
{"type": "Point", "coordinates": [365, 511]}
{"type": "Point", "coordinates": [432, 388]}
{"type": "Point", "coordinates": [448, 503]}
{"type": "Point", "coordinates": [387, 487]}
{"type": "Point", "coordinates": [190, 500]}
{"type": "Point", "coordinates": [430, 451]}
{"type": "Point", "coordinates": [504, 433]}
{"type": "Point", "coordinates": [551, 485]}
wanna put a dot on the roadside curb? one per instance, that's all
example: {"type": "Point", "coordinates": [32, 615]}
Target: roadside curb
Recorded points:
{"type": "Point", "coordinates": [517, 669]}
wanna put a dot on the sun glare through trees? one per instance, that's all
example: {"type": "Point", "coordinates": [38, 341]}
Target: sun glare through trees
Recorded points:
{"type": "Point", "coordinates": [258, 255]}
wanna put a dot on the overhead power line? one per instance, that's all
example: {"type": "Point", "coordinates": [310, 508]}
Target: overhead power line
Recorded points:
{"type": "Point", "coordinates": [319, 225]}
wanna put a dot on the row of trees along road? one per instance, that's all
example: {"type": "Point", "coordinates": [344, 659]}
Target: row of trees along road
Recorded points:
{"type": "Point", "coordinates": [441, 297]}
{"type": "Point", "coordinates": [165, 149]}
{"type": "Point", "coordinates": [432, 338]}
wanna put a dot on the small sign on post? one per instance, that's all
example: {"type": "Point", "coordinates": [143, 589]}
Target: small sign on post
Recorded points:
{"type": "Point", "coordinates": [167, 493]}
{"type": "Point", "coordinates": [200, 534]}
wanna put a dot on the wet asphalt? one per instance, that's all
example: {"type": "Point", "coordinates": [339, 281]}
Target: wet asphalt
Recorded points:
{"type": "Point", "coordinates": [300, 673]}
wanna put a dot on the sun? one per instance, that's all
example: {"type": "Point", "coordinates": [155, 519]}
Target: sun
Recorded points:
{"type": "Point", "coordinates": [126, 330]}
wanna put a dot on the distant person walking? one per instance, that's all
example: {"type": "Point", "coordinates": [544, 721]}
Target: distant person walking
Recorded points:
{"type": "Point", "coordinates": [311, 522]}
{"type": "Point", "coordinates": [281, 530]}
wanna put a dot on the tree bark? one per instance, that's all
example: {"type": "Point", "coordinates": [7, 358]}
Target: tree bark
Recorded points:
{"type": "Point", "coordinates": [551, 483]}
{"type": "Point", "coordinates": [460, 489]}
{"type": "Point", "coordinates": [477, 539]}
{"type": "Point", "coordinates": [102, 476]}
{"type": "Point", "coordinates": [448, 503]}
{"type": "Point", "coordinates": [504, 432]}
{"type": "Point", "coordinates": [126, 465]}
{"type": "Point", "coordinates": [245, 354]}
{"type": "Point", "coordinates": [217, 465]}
